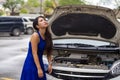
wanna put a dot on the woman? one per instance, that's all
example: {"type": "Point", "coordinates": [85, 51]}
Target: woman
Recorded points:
{"type": "Point", "coordinates": [40, 42]}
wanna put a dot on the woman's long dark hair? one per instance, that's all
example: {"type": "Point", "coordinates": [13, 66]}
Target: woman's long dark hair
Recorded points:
{"type": "Point", "coordinates": [48, 37]}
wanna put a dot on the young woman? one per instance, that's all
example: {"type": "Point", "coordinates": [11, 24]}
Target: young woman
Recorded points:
{"type": "Point", "coordinates": [40, 42]}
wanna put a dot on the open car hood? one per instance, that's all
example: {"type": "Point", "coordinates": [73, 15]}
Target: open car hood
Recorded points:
{"type": "Point", "coordinates": [86, 21]}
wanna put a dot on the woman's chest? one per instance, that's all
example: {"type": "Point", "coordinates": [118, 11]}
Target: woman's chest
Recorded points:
{"type": "Point", "coordinates": [41, 45]}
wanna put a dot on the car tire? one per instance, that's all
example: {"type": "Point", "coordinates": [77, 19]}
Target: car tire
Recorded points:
{"type": "Point", "coordinates": [29, 30]}
{"type": "Point", "coordinates": [16, 32]}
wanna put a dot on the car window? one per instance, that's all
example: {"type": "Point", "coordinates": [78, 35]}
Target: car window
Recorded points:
{"type": "Point", "coordinates": [18, 19]}
{"type": "Point", "coordinates": [32, 20]}
{"type": "Point", "coordinates": [25, 20]}
{"type": "Point", "coordinates": [7, 19]}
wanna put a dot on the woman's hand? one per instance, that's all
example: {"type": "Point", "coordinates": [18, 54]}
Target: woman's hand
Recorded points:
{"type": "Point", "coordinates": [50, 68]}
{"type": "Point", "coordinates": [40, 73]}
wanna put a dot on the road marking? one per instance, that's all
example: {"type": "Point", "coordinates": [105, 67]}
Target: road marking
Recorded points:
{"type": "Point", "coordinates": [4, 78]}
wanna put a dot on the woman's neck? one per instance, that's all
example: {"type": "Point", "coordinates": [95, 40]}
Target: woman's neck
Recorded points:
{"type": "Point", "coordinates": [42, 31]}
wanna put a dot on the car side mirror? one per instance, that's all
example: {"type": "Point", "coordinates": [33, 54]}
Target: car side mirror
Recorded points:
{"type": "Point", "coordinates": [114, 70]}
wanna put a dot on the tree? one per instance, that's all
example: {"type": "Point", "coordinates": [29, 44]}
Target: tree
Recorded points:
{"type": "Point", "coordinates": [71, 2]}
{"type": "Point", "coordinates": [1, 12]}
{"type": "Point", "coordinates": [54, 3]}
{"type": "Point", "coordinates": [31, 5]}
{"type": "Point", "coordinates": [13, 5]}
{"type": "Point", "coordinates": [23, 10]}
{"type": "Point", "coordinates": [49, 6]}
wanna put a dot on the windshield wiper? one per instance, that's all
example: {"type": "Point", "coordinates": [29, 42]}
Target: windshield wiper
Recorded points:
{"type": "Point", "coordinates": [108, 46]}
{"type": "Point", "coordinates": [75, 45]}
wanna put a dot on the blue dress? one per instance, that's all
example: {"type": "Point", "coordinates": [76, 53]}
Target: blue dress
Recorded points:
{"type": "Point", "coordinates": [30, 71]}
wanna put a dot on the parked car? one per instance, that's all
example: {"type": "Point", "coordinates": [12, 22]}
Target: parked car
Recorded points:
{"type": "Point", "coordinates": [86, 43]}
{"type": "Point", "coordinates": [28, 21]}
{"type": "Point", "coordinates": [13, 25]}
{"type": "Point", "coordinates": [31, 18]}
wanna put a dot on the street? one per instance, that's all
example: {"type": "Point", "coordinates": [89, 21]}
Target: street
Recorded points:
{"type": "Point", "coordinates": [13, 51]}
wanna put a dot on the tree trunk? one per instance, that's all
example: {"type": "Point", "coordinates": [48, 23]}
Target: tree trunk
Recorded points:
{"type": "Point", "coordinates": [13, 13]}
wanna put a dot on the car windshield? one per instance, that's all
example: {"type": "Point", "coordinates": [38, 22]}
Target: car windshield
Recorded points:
{"type": "Point", "coordinates": [82, 42]}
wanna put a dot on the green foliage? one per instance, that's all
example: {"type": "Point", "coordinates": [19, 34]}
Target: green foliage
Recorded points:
{"type": "Point", "coordinates": [71, 2]}
{"type": "Point", "coordinates": [30, 6]}
{"type": "Point", "coordinates": [48, 4]}
{"type": "Point", "coordinates": [1, 12]}
{"type": "Point", "coordinates": [48, 7]}
{"type": "Point", "coordinates": [33, 3]}
{"type": "Point", "coordinates": [24, 10]}
{"type": "Point", "coordinates": [12, 5]}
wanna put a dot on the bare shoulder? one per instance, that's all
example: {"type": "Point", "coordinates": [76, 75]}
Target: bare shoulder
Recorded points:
{"type": "Point", "coordinates": [35, 34]}
{"type": "Point", "coordinates": [34, 37]}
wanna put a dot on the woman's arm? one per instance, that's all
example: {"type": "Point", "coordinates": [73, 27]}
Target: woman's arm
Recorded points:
{"type": "Point", "coordinates": [49, 57]}
{"type": "Point", "coordinates": [34, 41]}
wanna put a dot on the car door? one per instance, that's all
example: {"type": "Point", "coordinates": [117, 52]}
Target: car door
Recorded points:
{"type": "Point", "coordinates": [3, 27]}
{"type": "Point", "coordinates": [5, 24]}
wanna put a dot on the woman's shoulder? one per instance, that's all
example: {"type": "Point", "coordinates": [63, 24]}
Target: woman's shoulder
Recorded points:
{"type": "Point", "coordinates": [35, 36]}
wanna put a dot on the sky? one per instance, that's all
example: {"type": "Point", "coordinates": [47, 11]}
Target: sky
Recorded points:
{"type": "Point", "coordinates": [105, 3]}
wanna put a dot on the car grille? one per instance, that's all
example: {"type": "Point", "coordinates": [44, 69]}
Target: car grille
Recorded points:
{"type": "Point", "coordinates": [67, 73]}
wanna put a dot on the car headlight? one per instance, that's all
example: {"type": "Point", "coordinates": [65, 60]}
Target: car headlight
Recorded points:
{"type": "Point", "coordinates": [115, 69]}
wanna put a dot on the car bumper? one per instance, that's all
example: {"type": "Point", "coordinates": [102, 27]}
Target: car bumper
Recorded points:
{"type": "Point", "coordinates": [67, 72]}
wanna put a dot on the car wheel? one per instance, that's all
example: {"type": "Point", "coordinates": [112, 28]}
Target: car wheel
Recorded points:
{"type": "Point", "coordinates": [29, 30]}
{"type": "Point", "coordinates": [16, 32]}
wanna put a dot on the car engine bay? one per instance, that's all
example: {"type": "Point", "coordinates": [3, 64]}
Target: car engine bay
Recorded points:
{"type": "Point", "coordinates": [85, 59]}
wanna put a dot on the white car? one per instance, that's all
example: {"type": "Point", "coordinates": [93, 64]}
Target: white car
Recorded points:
{"type": "Point", "coordinates": [28, 22]}
{"type": "Point", "coordinates": [86, 43]}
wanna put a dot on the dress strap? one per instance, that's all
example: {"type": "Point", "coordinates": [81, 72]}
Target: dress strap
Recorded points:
{"type": "Point", "coordinates": [39, 34]}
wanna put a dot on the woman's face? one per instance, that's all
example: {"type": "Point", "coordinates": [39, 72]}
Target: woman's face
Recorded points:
{"type": "Point", "coordinates": [42, 23]}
